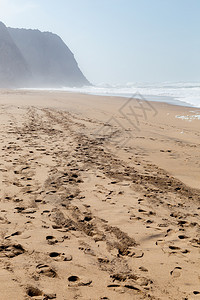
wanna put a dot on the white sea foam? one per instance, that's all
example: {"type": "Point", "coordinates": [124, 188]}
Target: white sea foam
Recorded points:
{"type": "Point", "coordinates": [174, 93]}
{"type": "Point", "coordinates": [189, 118]}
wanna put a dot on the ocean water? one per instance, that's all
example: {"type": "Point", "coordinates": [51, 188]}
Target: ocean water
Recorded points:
{"type": "Point", "coordinates": [181, 93]}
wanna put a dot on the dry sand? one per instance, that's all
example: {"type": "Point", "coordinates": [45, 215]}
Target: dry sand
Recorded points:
{"type": "Point", "coordinates": [99, 200]}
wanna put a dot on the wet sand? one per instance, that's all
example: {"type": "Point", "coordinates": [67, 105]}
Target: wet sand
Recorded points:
{"type": "Point", "coordinates": [99, 198]}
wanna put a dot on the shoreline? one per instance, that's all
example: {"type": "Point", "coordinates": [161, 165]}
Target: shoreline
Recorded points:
{"type": "Point", "coordinates": [99, 197]}
{"type": "Point", "coordinates": [149, 97]}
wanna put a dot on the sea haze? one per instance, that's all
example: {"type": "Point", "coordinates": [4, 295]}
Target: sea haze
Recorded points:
{"type": "Point", "coordinates": [182, 93]}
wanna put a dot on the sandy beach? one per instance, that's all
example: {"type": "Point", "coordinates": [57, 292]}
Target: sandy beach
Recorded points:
{"type": "Point", "coordinates": [100, 198]}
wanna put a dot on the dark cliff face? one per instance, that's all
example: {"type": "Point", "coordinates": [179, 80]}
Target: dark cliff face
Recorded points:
{"type": "Point", "coordinates": [30, 58]}
{"type": "Point", "coordinates": [13, 68]}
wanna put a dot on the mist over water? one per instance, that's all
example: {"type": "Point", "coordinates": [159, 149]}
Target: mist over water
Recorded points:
{"type": "Point", "coordinates": [182, 93]}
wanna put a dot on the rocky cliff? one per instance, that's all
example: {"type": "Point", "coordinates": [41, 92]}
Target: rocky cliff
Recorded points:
{"type": "Point", "coordinates": [14, 69]}
{"type": "Point", "coordinates": [31, 58]}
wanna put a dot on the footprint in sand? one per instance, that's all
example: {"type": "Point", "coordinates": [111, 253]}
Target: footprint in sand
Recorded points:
{"type": "Point", "coordinates": [113, 285]}
{"type": "Point", "coordinates": [76, 281]}
{"type": "Point", "coordinates": [51, 240]}
{"type": "Point", "coordinates": [143, 269]}
{"type": "Point", "coordinates": [13, 234]}
{"type": "Point", "coordinates": [33, 291]}
{"type": "Point", "coordinates": [11, 250]}
{"type": "Point", "coordinates": [60, 256]}
{"type": "Point", "coordinates": [46, 270]}
{"type": "Point", "coordinates": [196, 292]}
{"type": "Point", "coordinates": [54, 254]}
{"type": "Point", "coordinates": [181, 237]}
{"type": "Point", "coordinates": [174, 248]}
{"type": "Point", "coordinates": [136, 253]}
{"type": "Point", "coordinates": [176, 272]}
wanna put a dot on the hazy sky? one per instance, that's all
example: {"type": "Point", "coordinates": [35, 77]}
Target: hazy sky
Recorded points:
{"type": "Point", "coordinates": [119, 41]}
